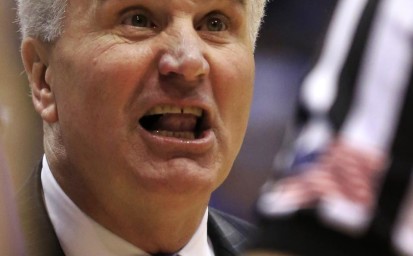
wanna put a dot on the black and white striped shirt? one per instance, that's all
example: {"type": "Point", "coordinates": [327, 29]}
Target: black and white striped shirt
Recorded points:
{"type": "Point", "coordinates": [361, 90]}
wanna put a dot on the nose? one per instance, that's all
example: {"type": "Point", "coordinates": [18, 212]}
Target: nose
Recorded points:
{"type": "Point", "coordinates": [184, 56]}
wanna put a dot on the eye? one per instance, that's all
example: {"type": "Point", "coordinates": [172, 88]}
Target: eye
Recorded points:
{"type": "Point", "coordinates": [214, 23]}
{"type": "Point", "coordinates": [139, 20]}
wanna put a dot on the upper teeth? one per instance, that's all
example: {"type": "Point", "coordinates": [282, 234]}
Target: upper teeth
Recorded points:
{"type": "Point", "coordinates": [168, 109]}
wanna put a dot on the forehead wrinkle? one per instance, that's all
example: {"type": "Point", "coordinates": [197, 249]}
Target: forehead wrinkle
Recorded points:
{"type": "Point", "coordinates": [242, 2]}
{"type": "Point", "coordinates": [101, 2]}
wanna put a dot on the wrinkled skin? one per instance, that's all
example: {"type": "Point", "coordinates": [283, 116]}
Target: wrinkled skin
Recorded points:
{"type": "Point", "coordinates": [115, 61]}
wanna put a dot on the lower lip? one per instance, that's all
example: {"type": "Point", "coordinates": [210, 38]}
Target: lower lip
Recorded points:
{"type": "Point", "coordinates": [177, 145]}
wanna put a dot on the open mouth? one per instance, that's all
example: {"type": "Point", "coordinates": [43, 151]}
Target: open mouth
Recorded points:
{"type": "Point", "coordinates": [187, 123]}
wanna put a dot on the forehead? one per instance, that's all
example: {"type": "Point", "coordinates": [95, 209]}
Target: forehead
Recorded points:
{"type": "Point", "coordinates": [93, 6]}
{"type": "Point", "coordinates": [242, 2]}
{"type": "Point", "coordinates": [200, 1]}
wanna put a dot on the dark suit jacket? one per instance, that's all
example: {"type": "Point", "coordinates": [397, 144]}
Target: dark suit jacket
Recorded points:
{"type": "Point", "coordinates": [228, 234]}
{"type": "Point", "coordinates": [304, 234]}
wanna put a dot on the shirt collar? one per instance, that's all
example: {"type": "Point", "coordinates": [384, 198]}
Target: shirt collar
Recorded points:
{"type": "Point", "coordinates": [80, 235]}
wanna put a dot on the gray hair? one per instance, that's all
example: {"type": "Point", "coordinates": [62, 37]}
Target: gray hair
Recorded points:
{"type": "Point", "coordinates": [257, 12]}
{"type": "Point", "coordinates": [43, 18]}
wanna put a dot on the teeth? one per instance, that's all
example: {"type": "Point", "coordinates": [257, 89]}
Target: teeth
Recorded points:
{"type": "Point", "coordinates": [192, 110]}
{"type": "Point", "coordinates": [180, 135]}
{"type": "Point", "coordinates": [167, 109]}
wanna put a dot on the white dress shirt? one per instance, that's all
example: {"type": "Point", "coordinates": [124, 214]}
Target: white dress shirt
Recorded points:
{"type": "Point", "coordinates": [80, 235]}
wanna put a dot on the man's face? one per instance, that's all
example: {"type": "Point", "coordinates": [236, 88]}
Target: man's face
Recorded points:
{"type": "Point", "coordinates": [152, 96]}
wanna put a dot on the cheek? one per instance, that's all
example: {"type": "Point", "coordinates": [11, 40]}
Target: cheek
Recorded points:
{"type": "Point", "coordinates": [233, 95]}
{"type": "Point", "coordinates": [235, 90]}
{"type": "Point", "coordinates": [103, 78]}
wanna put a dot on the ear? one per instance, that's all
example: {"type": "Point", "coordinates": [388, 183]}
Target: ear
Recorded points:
{"type": "Point", "coordinates": [35, 59]}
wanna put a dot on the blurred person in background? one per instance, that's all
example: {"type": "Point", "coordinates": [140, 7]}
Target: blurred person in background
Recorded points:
{"type": "Point", "coordinates": [11, 242]}
{"type": "Point", "coordinates": [343, 184]}
{"type": "Point", "coordinates": [144, 107]}
{"type": "Point", "coordinates": [22, 134]}
{"type": "Point", "coordinates": [15, 133]}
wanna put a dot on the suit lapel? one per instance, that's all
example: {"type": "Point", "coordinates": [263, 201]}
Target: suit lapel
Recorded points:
{"type": "Point", "coordinates": [227, 234]}
{"type": "Point", "coordinates": [40, 237]}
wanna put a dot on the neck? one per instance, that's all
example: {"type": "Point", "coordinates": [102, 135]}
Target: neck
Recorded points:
{"type": "Point", "coordinates": [154, 223]}
{"type": "Point", "coordinates": [157, 229]}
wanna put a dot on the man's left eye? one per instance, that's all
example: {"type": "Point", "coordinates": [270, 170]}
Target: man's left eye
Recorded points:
{"type": "Point", "coordinates": [214, 24]}
{"type": "Point", "coordinates": [139, 20]}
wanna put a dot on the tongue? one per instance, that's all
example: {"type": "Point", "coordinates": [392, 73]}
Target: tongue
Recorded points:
{"type": "Point", "coordinates": [176, 123]}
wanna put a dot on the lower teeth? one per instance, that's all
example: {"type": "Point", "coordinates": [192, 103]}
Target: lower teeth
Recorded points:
{"type": "Point", "coordinates": [179, 135]}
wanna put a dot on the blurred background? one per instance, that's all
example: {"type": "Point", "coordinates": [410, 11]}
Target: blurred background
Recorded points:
{"type": "Point", "coordinates": [288, 43]}
{"type": "Point", "coordinates": [20, 132]}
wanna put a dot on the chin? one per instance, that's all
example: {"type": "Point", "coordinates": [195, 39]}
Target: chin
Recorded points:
{"type": "Point", "coordinates": [184, 176]}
